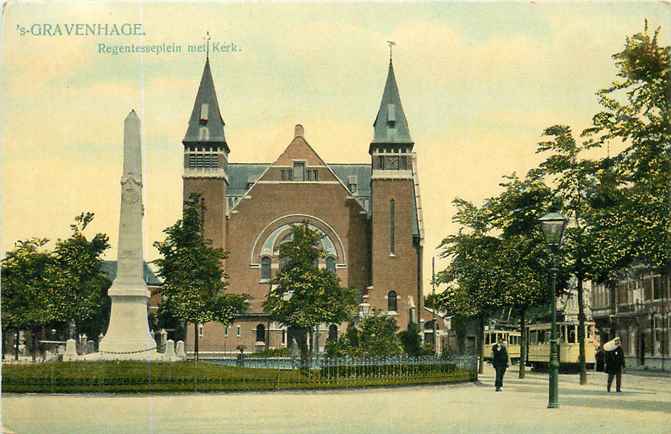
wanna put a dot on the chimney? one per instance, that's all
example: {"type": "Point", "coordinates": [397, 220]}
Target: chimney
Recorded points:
{"type": "Point", "coordinates": [299, 131]}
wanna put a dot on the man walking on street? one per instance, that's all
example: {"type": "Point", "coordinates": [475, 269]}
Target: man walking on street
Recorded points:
{"type": "Point", "coordinates": [614, 363]}
{"type": "Point", "coordinates": [500, 362]}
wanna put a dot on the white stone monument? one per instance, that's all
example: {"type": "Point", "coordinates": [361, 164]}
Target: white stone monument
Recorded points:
{"type": "Point", "coordinates": [128, 335]}
{"type": "Point", "coordinates": [169, 355]}
{"type": "Point", "coordinates": [70, 351]}
{"type": "Point", "coordinates": [181, 354]}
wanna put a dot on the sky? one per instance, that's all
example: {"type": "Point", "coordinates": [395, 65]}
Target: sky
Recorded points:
{"type": "Point", "coordinates": [479, 82]}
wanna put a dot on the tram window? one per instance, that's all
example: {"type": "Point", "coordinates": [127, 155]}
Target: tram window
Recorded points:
{"type": "Point", "coordinates": [541, 337]}
{"type": "Point", "coordinates": [486, 338]}
{"type": "Point", "coordinates": [534, 337]}
{"type": "Point", "coordinates": [571, 335]}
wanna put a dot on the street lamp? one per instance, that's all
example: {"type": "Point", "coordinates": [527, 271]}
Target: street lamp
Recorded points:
{"type": "Point", "coordinates": [553, 225]}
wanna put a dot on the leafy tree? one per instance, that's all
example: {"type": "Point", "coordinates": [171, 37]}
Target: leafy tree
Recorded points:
{"type": "Point", "coordinates": [76, 275]}
{"type": "Point", "coordinates": [515, 213]}
{"type": "Point", "coordinates": [304, 296]}
{"type": "Point", "coordinates": [637, 113]}
{"type": "Point", "coordinates": [472, 277]}
{"type": "Point", "coordinates": [193, 279]}
{"type": "Point", "coordinates": [26, 288]}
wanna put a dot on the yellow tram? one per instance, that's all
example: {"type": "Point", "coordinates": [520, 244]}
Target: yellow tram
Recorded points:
{"type": "Point", "coordinates": [538, 354]}
{"type": "Point", "coordinates": [512, 337]}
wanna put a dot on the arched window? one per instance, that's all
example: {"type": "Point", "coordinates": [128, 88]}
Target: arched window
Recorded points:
{"type": "Point", "coordinates": [330, 264]}
{"type": "Point", "coordinates": [265, 268]}
{"type": "Point", "coordinates": [260, 333]}
{"type": "Point", "coordinates": [333, 332]}
{"type": "Point", "coordinates": [392, 227]}
{"type": "Point", "coordinates": [392, 303]}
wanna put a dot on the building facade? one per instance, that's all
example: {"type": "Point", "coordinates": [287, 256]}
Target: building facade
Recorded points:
{"type": "Point", "coordinates": [637, 309]}
{"type": "Point", "coordinates": [368, 214]}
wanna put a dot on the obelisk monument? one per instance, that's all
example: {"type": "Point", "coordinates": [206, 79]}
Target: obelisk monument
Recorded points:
{"type": "Point", "coordinates": [128, 335]}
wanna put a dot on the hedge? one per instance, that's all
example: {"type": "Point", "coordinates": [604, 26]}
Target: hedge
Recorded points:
{"type": "Point", "coordinates": [141, 377]}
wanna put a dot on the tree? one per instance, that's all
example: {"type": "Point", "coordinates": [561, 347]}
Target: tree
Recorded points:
{"type": "Point", "coordinates": [515, 213]}
{"type": "Point", "coordinates": [78, 282]}
{"type": "Point", "coordinates": [193, 278]}
{"type": "Point", "coordinates": [637, 113]}
{"type": "Point", "coordinates": [472, 276]}
{"type": "Point", "coordinates": [25, 289]}
{"type": "Point", "coordinates": [411, 341]}
{"type": "Point", "coordinates": [302, 295]}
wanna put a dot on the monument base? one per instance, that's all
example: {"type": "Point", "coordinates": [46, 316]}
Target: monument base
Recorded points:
{"type": "Point", "coordinates": [128, 336]}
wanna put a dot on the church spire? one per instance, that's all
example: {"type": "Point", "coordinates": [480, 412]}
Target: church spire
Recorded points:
{"type": "Point", "coordinates": [206, 125]}
{"type": "Point", "coordinates": [391, 126]}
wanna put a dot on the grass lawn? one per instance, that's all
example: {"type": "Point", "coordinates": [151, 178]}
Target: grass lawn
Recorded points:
{"type": "Point", "coordinates": [139, 377]}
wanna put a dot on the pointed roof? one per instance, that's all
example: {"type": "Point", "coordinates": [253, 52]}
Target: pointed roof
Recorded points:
{"type": "Point", "coordinates": [206, 113]}
{"type": "Point", "coordinates": [390, 125]}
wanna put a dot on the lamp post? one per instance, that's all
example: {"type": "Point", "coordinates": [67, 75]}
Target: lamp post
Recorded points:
{"type": "Point", "coordinates": [553, 225]}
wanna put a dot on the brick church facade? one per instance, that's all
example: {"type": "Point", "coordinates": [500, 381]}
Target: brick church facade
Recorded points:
{"type": "Point", "coordinates": [369, 215]}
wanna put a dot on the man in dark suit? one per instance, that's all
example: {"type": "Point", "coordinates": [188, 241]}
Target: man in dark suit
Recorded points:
{"type": "Point", "coordinates": [614, 365]}
{"type": "Point", "coordinates": [500, 362]}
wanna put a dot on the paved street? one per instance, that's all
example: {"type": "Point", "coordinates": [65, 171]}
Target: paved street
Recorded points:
{"type": "Point", "coordinates": [644, 407]}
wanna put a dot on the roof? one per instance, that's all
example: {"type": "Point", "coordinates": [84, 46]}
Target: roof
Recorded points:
{"type": "Point", "coordinates": [391, 125]}
{"type": "Point", "coordinates": [205, 113]}
{"type": "Point", "coordinates": [240, 174]}
{"type": "Point", "coordinates": [150, 278]}
{"type": "Point", "coordinates": [361, 171]}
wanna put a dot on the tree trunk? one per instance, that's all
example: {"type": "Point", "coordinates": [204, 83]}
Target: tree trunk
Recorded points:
{"type": "Point", "coordinates": [523, 342]}
{"type": "Point", "coordinates": [33, 340]}
{"type": "Point", "coordinates": [16, 344]}
{"type": "Point", "coordinates": [581, 331]}
{"type": "Point", "coordinates": [195, 341]}
{"type": "Point", "coordinates": [481, 344]}
{"type": "Point", "coordinates": [302, 342]}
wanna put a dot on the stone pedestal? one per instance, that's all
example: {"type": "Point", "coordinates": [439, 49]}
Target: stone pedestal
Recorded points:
{"type": "Point", "coordinates": [70, 354]}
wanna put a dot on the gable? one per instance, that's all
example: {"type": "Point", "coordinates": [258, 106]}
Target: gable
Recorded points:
{"type": "Point", "coordinates": [299, 149]}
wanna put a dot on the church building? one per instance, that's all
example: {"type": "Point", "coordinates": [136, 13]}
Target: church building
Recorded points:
{"type": "Point", "coordinates": [369, 215]}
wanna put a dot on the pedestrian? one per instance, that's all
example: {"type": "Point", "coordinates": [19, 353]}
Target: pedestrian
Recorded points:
{"type": "Point", "coordinates": [500, 362]}
{"type": "Point", "coordinates": [614, 363]}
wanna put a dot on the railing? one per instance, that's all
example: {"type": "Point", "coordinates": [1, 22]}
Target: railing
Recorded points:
{"type": "Point", "coordinates": [362, 364]}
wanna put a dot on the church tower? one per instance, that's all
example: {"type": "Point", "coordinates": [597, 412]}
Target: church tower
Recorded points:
{"type": "Point", "coordinates": [396, 220]}
{"type": "Point", "coordinates": [206, 159]}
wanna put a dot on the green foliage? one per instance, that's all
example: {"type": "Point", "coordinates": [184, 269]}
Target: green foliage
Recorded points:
{"type": "Point", "coordinates": [191, 269]}
{"type": "Point", "coordinates": [26, 285]}
{"type": "Point", "coordinates": [374, 336]}
{"type": "Point", "coordinates": [411, 340]}
{"type": "Point", "coordinates": [142, 377]}
{"type": "Point", "coordinates": [636, 112]}
{"type": "Point", "coordinates": [304, 296]}
{"type": "Point", "coordinates": [76, 274]}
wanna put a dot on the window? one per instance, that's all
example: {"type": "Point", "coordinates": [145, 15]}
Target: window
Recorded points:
{"type": "Point", "coordinates": [299, 171]}
{"type": "Point", "coordinates": [226, 331]}
{"type": "Point", "coordinates": [657, 287]}
{"type": "Point", "coordinates": [392, 304]}
{"type": "Point", "coordinates": [286, 174]}
{"type": "Point", "coordinates": [647, 288]}
{"type": "Point", "coordinates": [391, 163]}
{"type": "Point", "coordinates": [203, 113]}
{"type": "Point", "coordinates": [265, 268]}
{"type": "Point", "coordinates": [333, 332]}
{"type": "Point", "coordinates": [353, 184]}
{"type": "Point", "coordinates": [392, 227]}
{"type": "Point", "coordinates": [404, 163]}
{"type": "Point", "coordinates": [330, 264]}
{"type": "Point", "coordinates": [200, 331]}
{"type": "Point", "coordinates": [284, 337]}
{"type": "Point", "coordinates": [237, 331]}
{"type": "Point", "coordinates": [313, 175]}
{"type": "Point", "coordinates": [260, 333]}
{"type": "Point", "coordinates": [391, 115]}
{"type": "Point", "coordinates": [378, 163]}
{"type": "Point", "coordinates": [203, 134]}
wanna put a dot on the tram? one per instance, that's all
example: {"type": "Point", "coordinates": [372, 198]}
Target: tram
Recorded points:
{"type": "Point", "coordinates": [512, 337]}
{"type": "Point", "coordinates": [538, 354]}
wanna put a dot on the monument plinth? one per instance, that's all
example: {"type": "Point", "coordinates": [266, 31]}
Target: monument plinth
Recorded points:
{"type": "Point", "coordinates": [128, 335]}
